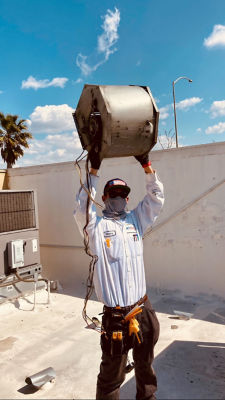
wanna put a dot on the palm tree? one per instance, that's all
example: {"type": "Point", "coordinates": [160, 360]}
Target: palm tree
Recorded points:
{"type": "Point", "coordinates": [13, 136]}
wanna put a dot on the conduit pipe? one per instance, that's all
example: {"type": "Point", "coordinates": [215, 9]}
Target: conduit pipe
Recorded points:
{"type": "Point", "coordinates": [35, 280]}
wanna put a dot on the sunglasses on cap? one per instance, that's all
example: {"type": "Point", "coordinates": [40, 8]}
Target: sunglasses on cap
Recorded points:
{"type": "Point", "coordinates": [117, 187]}
{"type": "Point", "coordinates": [113, 192]}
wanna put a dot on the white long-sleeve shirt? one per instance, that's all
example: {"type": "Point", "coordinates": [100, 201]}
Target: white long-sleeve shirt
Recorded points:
{"type": "Point", "coordinates": [119, 276]}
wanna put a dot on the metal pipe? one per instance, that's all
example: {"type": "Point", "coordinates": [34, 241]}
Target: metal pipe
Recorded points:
{"type": "Point", "coordinates": [182, 77]}
{"type": "Point", "coordinates": [174, 104]}
{"type": "Point", "coordinates": [9, 283]}
{"type": "Point", "coordinates": [175, 115]}
{"type": "Point", "coordinates": [42, 377]}
{"type": "Point", "coordinates": [49, 300]}
{"type": "Point", "coordinates": [35, 280]}
{"type": "Point", "coordinates": [35, 289]}
{"type": "Point", "coordinates": [3, 280]}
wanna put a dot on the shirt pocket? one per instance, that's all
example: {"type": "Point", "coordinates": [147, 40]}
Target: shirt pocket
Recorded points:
{"type": "Point", "coordinates": [113, 246]}
{"type": "Point", "coordinates": [135, 243]}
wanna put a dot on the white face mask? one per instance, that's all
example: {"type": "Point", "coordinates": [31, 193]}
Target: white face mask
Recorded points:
{"type": "Point", "coordinates": [115, 207]}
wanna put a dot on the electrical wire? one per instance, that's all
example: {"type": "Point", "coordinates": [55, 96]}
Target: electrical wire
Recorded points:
{"type": "Point", "coordinates": [94, 257]}
{"type": "Point", "coordinates": [81, 183]}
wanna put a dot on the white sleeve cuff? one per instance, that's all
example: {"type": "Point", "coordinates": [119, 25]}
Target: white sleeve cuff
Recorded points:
{"type": "Point", "coordinates": [151, 178]}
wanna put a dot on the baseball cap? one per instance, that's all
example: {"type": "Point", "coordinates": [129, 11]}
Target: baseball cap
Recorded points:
{"type": "Point", "coordinates": [117, 185]}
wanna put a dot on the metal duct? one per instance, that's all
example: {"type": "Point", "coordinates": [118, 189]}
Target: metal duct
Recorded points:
{"type": "Point", "coordinates": [122, 119]}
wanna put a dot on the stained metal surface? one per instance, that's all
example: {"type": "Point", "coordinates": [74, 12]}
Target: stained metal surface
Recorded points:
{"type": "Point", "coordinates": [123, 119]}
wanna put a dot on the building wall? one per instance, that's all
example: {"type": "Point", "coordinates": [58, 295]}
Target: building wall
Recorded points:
{"type": "Point", "coordinates": [3, 184]}
{"type": "Point", "coordinates": [185, 249]}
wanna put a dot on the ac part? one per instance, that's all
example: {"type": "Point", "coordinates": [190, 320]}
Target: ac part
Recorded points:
{"type": "Point", "coordinates": [122, 120]}
{"type": "Point", "coordinates": [18, 210]}
{"type": "Point", "coordinates": [41, 378]}
{"type": "Point", "coordinates": [19, 243]}
{"type": "Point", "coordinates": [12, 288]}
{"type": "Point", "coordinates": [15, 254]}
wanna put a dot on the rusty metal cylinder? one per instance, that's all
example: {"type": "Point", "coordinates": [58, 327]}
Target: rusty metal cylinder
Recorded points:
{"type": "Point", "coordinates": [123, 120]}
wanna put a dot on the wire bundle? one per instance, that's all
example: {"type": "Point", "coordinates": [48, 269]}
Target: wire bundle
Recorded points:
{"type": "Point", "coordinates": [94, 257]}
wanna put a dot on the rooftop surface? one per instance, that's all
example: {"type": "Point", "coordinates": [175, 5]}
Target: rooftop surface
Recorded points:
{"type": "Point", "coordinates": [189, 357]}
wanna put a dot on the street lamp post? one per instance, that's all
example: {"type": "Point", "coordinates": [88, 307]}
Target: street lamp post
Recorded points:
{"type": "Point", "coordinates": [174, 104]}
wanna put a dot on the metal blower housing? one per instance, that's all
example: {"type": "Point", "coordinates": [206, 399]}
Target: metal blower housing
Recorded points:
{"type": "Point", "coordinates": [122, 120]}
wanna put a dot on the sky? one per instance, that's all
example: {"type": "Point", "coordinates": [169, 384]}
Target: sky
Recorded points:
{"type": "Point", "coordinates": [51, 48]}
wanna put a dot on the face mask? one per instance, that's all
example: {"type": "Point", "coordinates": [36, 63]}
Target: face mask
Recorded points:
{"type": "Point", "coordinates": [115, 207]}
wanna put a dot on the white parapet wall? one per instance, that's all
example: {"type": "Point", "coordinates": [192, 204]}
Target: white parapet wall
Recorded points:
{"type": "Point", "coordinates": [186, 248]}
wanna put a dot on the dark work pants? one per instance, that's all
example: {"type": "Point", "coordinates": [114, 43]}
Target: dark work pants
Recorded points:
{"type": "Point", "coordinates": [112, 369]}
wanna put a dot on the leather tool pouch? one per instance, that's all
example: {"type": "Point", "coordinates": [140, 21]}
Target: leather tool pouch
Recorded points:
{"type": "Point", "coordinates": [115, 339]}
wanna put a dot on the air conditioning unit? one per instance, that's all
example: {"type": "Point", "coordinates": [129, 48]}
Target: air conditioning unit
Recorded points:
{"type": "Point", "coordinates": [19, 243]}
{"type": "Point", "coordinates": [123, 120]}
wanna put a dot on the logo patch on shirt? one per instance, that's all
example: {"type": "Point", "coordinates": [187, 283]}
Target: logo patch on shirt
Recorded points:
{"type": "Point", "coordinates": [109, 233]}
{"type": "Point", "coordinates": [131, 228]}
{"type": "Point", "coordinates": [108, 242]}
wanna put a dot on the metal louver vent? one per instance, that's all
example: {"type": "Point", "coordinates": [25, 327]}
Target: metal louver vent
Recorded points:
{"type": "Point", "coordinates": [17, 211]}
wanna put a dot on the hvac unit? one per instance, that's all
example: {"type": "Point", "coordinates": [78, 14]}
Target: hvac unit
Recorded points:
{"type": "Point", "coordinates": [123, 120]}
{"type": "Point", "coordinates": [19, 243]}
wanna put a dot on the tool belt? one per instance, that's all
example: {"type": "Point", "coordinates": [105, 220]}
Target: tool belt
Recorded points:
{"type": "Point", "coordinates": [127, 308]}
{"type": "Point", "coordinates": [120, 328]}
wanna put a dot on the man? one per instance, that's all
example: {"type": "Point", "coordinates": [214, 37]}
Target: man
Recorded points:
{"type": "Point", "coordinates": [119, 278]}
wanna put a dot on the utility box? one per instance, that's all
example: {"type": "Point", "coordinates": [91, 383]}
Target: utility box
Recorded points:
{"type": "Point", "coordinates": [15, 254]}
{"type": "Point", "coordinates": [122, 120]}
{"type": "Point", "coordinates": [19, 242]}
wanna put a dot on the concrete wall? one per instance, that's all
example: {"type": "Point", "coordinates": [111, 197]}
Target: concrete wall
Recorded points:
{"type": "Point", "coordinates": [3, 183]}
{"type": "Point", "coordinates": [185, 249]}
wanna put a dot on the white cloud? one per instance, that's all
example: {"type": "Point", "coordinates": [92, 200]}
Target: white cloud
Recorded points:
{"type": "Point", "coordinates": [199, 130]}
{"type": "Point", "coordinates": [78, 80]}
{"type": "Point", "coordinates": [33, 83]}
{"type": "Point", "coordinates": [106, 42]}
{"type": "Point", "coordinates": [187, 103]}
{"type": "Point", "coordinates": [69, 140]}
{"type": "Point", "coordinates": [1, 91]}
{"type": "Point", "coordinates": [110, 35]}
{"type": "Point", "coordinates": [219, 128]}
{"type": "Point", "coordinates": [164, 112]}
{"type": "Point", "coordinates": [52, 149]}
{"type": "Point", "coordinates": [82, 64]}
{"type": "Point", "coordinates": [217, 37]}
{"type": "Point", "coordinates": [218, 109]}
{"type": "Point", "coordinates": [51, 119]}
{"type": "Point", "coordinates": [181, 105]}
{"type": "Point", "coordinates": [57, 152]}
{"type": "Point", "coordinates": [165, 142]}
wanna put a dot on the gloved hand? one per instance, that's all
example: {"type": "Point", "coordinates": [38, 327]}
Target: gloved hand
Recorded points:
{"type": "Point", "coordinates": [94, 157]}
{"type": "Point", "coordinates": [143, 159]}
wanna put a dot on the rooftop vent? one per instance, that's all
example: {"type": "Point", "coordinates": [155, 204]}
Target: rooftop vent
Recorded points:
{"type": "Point", "coordinates": [17, 211]}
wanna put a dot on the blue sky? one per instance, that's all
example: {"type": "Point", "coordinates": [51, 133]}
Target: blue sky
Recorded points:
{"type": "Point", "coordinates": [51, 48]}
